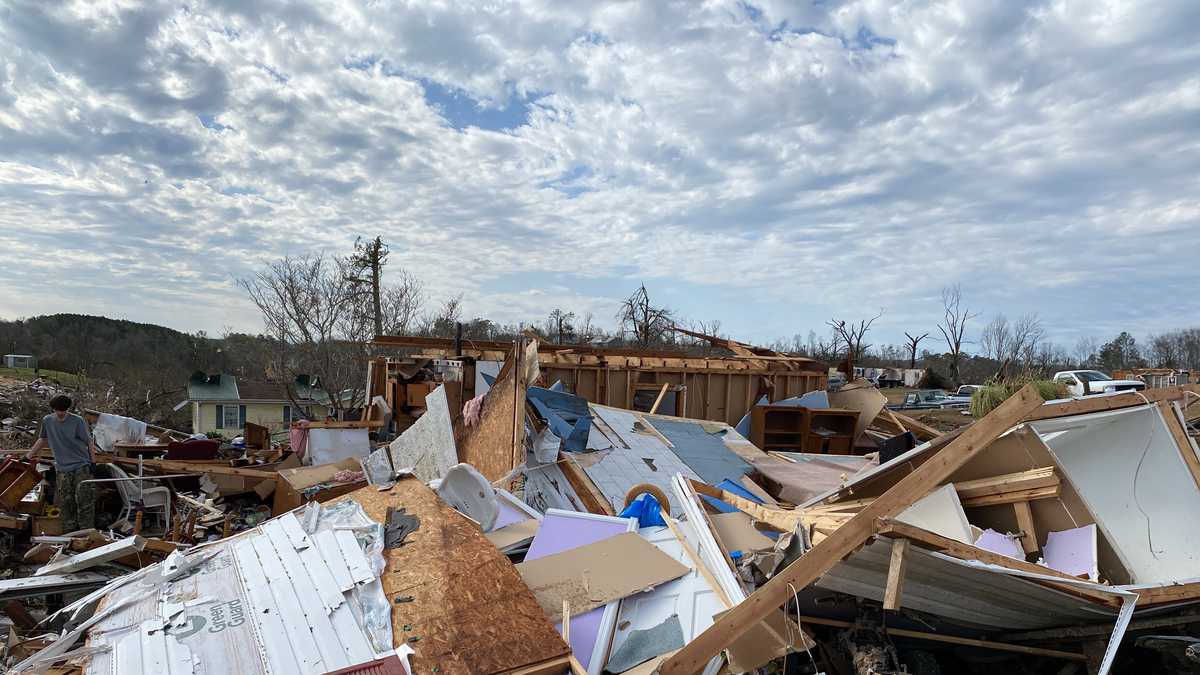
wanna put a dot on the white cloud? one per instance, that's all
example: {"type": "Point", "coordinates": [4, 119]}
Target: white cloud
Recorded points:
{"type": "Point", "coordinates": [770, 164]}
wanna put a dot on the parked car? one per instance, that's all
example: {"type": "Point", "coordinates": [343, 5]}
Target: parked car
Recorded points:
{"type": "Point", "coordinates": [1089, 382]}
{"type": "Point", "coordinates": [965, 392]}
{"type": "Point", "coordinates": [930, 398]}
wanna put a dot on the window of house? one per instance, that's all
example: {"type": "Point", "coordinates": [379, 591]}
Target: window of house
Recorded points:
{"type": "Point", "coordinates": [230, 417]}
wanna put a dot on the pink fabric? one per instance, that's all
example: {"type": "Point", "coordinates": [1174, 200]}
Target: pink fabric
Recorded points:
{"type": "Point", "coordinates": [473, 410]}
{"type": "Point", "coordinates": [347, 476]}
{"type": "Point", "coordinates": [298, 437]}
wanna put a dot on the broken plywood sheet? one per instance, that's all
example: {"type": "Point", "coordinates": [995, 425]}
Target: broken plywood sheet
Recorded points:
{"type": "Point", "coordinates": [644, 459]}
{"type": "Point", "coordinates": [428, 445]}
{"type": "Point", "coordinates": [460, 596]}
{"type": "Point", "coordinates": [495, 445]}
{"type": "Point", "coordinates": [596, 574]}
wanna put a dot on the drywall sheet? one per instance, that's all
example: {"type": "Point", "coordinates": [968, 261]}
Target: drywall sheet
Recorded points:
{"type": "Point", "coordinates": [326, 446]}
{"type": "Point", "coordinates": [565, 530]}
{"type": "Point", "coordinates": [706, 453]}
{"type": "Point", "coordinates": [1003, 544]}
{"type": "Point", "coordinates": [800, 476]}
{"type": "Point", "coordinates": [513, 535]}
{"type": "Point", "coordinates": [1129, 472]}
{"type": "Point", "coordinates": [596, 574]}
{"type": "Point", "coordinates": [940, 511]}
{"type": "Point", "coordinates": [428, 445]}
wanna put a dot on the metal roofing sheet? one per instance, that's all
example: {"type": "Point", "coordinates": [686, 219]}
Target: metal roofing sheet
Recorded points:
{"type": "Point", "coordinates": [273, 599]}
{"type": "Point", "coordinates": [968, 594]}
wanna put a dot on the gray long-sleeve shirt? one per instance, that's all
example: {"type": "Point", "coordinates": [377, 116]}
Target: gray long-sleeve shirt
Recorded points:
{"type": "Point", "coordinates": [69, 440]}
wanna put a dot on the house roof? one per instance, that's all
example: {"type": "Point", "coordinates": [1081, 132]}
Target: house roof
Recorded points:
{"type": "Point", "coordinates": [226, 387]}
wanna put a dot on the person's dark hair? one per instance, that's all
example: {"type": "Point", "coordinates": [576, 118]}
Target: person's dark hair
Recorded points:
{"type": "Point", "coordinates": [60, 402]}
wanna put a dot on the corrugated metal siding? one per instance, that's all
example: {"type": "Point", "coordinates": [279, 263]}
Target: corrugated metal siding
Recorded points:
{"type": "Point", "coordinates": [966, 594]}
{"type": "Point", "coordinates": [273, 600]}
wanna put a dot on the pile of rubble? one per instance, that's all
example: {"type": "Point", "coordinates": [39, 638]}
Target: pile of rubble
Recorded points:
{"type": "Point", "coordinates": [513, 526]}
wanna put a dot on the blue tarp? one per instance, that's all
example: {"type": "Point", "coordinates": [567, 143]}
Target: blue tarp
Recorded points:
{"type": "Point", "coordinates": [647, 511]}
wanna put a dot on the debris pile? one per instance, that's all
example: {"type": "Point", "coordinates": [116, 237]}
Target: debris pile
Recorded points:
{"type": "Point", "coordinates": [529, 510]}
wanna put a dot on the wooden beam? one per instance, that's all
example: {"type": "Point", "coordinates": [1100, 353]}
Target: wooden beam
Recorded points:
{"type": "Point", "coordinates": [952, 639]}
{"type": "Point", "coordinates": [895, 576]}
{"type": "Point", "coordinates": [1013, 497]}
{"type": "Point", "coordinates": [1159, 595]}
{"type": "Point", "coordinates": [1009, 482]}
{"type": "Point", "coordinates": [957, 549]}
{"type": "Point", "coordinates": [1091, 404]}
{"type": "Point", "coordinates": [179, 466]}
{"type": "Point", "coordinates": [851, 536]}
{"type": "Point", "coordinates": [1029, 534]}
{"type": "Point", "coordinates": [1184, 443]}
{"type": "Point", "coordinates": [661, 395]}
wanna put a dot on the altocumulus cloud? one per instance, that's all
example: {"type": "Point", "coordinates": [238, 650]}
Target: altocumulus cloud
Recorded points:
{"type": "Point", "coordinates": [770, 164]}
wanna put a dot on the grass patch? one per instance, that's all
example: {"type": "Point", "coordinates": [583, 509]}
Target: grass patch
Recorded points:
{"type": "Point", "coordinates": [28, 375]}
{"type": "Point", "coordinates": [993, 393]}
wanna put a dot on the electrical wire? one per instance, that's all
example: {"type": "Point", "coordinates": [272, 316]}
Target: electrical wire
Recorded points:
{"type": "Point", "coordinates": [800, 626]}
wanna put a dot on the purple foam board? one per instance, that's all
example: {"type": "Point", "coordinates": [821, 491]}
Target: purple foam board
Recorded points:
{"type": "Point", "coordinates": [562, 532]}
{"type": "Point", "coordinates": [508, 515]}
{"type": "Point", "coordinates": [995, 542]}
{"type": "Point", "coordinates": [1073, 551]}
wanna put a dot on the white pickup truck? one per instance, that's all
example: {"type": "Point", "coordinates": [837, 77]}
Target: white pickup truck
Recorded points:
{"type": "Point", "coordinates": [1088, 382]}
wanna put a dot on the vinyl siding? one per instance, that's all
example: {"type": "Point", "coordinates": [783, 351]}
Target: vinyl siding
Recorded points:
{"type": "Point", "coordinates": [269, 415]}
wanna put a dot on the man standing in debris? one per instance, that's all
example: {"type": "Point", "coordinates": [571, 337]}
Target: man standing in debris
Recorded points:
{"type": "Point", "coordinates": [74, 456]}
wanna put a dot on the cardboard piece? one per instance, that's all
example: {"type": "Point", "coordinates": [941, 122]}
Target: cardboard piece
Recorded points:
{"type": "Point", "coordinates": [593, 575]}
{"type": "Point", "coordinates": [737, 532]}
{"type": "Point", "coordinates": [289, 492]}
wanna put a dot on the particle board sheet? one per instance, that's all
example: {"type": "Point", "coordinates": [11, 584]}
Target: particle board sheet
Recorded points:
{"type": "Point", "coordinates": [645, 458]}
{"type": "Point", "coordinates": [970, 595]}
{"type": "Point", "coordinates": [455, 593]}
{"type": "Point", "coordinates": [266, 601]}
{"type": "Point", "coordinates": [593, 575]}
{"type": "Point", "coordinates": [565, 530]}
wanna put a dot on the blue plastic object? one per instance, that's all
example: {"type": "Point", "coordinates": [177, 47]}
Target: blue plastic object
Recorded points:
{"type": "Point", "coordinates": [647, 511]}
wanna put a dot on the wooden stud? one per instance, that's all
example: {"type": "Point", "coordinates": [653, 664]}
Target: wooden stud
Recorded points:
{"type": "Point", "coordinates": [661, 395]}
{"type": "Point", "coordinates": [895, 576]}
{"type": "Point", "coordinates": [1182, 441]}
{"type": "Point", "coordinates": [1029, 535]}
{"type": "Point", "coordinates": [1013, 497]}
{"type": "Point", "coordinates": [849, 537]}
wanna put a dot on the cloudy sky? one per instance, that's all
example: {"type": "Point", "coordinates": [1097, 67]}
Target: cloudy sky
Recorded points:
{"type": "Point", "coordinates": [767, 164]}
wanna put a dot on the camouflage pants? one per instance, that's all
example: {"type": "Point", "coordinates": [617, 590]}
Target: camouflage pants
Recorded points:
{"type": "Point", "coordinates": [76, 499]}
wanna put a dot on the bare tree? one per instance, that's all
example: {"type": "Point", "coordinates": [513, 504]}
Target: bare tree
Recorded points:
{"type": "Point", "coordinates": [441, 323]}
{"type": "Point", "coordinates": [308, 309]}
{"type": "Point", "coordinates": [588, 330]}
{"type": "Point", "coordinates": [954, 326]}
{"type": "Point", "coordinates": [913, 341]}
{"type": "Point", "coordinates": [1087, 349]}
{"type": "Point", "coordinates": [996, 338]}
{"type": "Point", "coordinates": [1027, 335]}
{"type": "Point", "coordinates": [853, 335]}
{"type": "Point", "coordinates": [401, 304]}
{"type": "Point", "coordinates": [648, 324]}
{"type": "Point", "coordinates": [559, 324]}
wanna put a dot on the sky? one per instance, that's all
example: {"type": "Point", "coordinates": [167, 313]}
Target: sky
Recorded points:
{"type": "Point", "coordinates": [770, 165]}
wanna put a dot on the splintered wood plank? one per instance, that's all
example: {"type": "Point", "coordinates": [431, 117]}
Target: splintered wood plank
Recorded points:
{"type": "Point", "coordinates": [1029, 535]}
{"type": "Point", "coordinates": [451, 589]}
{"type": "Point", "coordinates": [895, 577]}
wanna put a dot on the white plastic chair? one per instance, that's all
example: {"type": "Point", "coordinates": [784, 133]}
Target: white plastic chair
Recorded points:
{"type": "Point", "coordinates": [154, 500]}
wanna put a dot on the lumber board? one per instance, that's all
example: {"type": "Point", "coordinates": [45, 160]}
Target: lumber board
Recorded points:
{"type": "Point", "coordinates": [895, 576]}
{"type": "Point", "coordinates": [1160, 595]}
{"type": "Point", "coordinates": [852, 535]}
{"type": "Point", "coordinates": [780, 519]}
{"type": "Point", "coordinates": [1029, 534]}
{"type": "Point", "coordinates": [593, 500]}
{"type": "Point", "coordinates": [179, 466]}
{"type": "Point", "coordinates": [1100, 403]}
{"type": "Point", "coordinates": [957, 549]}
{"type": "Point", "coordinates": [1014, 497]}
{"type": "Point", "coordinates": [1009, 482]}
{"type": "Point", "coordinates": [469, 608]}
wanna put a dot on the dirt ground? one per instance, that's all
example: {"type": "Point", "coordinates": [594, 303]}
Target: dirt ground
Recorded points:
{"type": "Point", "coordinates": [942, 420]}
